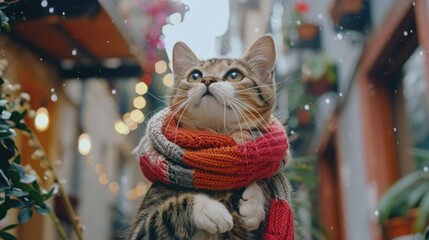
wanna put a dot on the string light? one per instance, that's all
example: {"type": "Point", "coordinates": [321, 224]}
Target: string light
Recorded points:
{"type": "Point", "coordinates": [132, 195]}
{"type": "Point", "coordinates": [133, 126]}
{"type": "Point", "coordinates": [139, 102]}
{"type": "Point", "coordinates": [113, 187]}
{"type": "Point", "coordinates": [137, 116]}
{"type": "Point", "coordinates": [102, 179]}
{"type": "Point", "coordinates": [42, 119]}
{"type": "Point", "coordinates": [141, 88]}
{"type": "Point", "coordinates": [121, 128]}
{"type": "Point", "coordinates": [84, 145]}
{"type": "Point", "coordinates": [168, 80]}
{"type": "Point", "coordinates": [160, 67]}
{"type": "Point", "coordinates": [99, 169]}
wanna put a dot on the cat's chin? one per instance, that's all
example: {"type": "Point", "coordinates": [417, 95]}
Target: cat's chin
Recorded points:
{"type": "Point", "coordinates": [209, 114]}
{"type": "Point", "coordinates": [209, 101]}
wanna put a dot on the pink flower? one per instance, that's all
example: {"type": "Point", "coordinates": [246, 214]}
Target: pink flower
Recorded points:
{"type": "Point", "coordinates": [302, 7]}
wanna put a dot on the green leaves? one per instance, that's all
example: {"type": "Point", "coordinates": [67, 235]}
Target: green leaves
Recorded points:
{"type": "Point", "coordinates": [4, 22]}
{"type": "Point", "coordinates": [7, 236]}
{"type": "Point", "coordinates": [25, 215]}
{"type": "Point", "coordinates": [410, 192]}
{"type": "Point", "coordinates": [18, 189]}
{"type": "Point", "coordinates": [389, 198]}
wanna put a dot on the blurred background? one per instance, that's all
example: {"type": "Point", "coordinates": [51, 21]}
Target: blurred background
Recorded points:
{"type": "Point", "coordinates": [352, 82]}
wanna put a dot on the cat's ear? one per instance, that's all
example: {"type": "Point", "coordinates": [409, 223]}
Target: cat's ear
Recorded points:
{"type": "Point", "coordinates": [261, 57]}
{"type": "Point", "coordinates": [183, 59]}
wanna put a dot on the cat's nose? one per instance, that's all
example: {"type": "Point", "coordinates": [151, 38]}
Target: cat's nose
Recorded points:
{"type": "Point", "coordinates": [208, 80]}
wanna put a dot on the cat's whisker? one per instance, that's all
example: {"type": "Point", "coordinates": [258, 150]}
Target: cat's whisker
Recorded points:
{"type": "Point", "coordinates": [157, 98]}
{"type": "Point", "coordinates": [280, 85]}
{"type": "Point", "coordinates": [247, 123]}
{"type": "Point", "coordinates": [179, 108]}
{"type": "Point", "coordinates": [224, 113]}
{"type": "Point", "coordinates": [266, 124]}
{"type": "Point", "coordinates": [180, 119]}
{"type": "Point", "coordinates": [260, 123]}
{"type": "Point", "coordinates": [247, 106]}
{"type": "Point", "coordinates": [239, 124]}
{"type": "Point", "coordinates": [179, 105]}
{"type": "Point", "coordinates": [245, 116]}
{"type": "Point", "coordinates": [259, 86]}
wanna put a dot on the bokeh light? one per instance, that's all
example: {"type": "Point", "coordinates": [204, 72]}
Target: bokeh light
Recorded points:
{"type": "Point", "coordinates": [42, 119]}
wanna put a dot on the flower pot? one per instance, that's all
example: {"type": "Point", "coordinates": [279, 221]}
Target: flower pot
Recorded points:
{"type": "Point", "coordinates": [304, 116]}
{"type": "Point", "coordinates": [319, 86]}
{"type": "Point", "coordinates": [400, 226]}
{"type": "Point", "coordinates": [309, 36]}
{"type": "Point", "coordinates": [307, 31]}
{"type": "Point", "coordinates": [304, 36]}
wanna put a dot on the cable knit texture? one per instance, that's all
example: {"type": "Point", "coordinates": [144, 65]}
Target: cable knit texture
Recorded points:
{"type": "Point", "coordinates": [211, 161]}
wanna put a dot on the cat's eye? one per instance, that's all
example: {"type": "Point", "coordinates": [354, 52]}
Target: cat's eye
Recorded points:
{"type": "Point", "coordinates": [234, 76]}
{"type": "Point", "coordinates": [195, 76]}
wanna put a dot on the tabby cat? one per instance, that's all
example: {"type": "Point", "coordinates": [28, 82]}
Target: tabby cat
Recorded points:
{"type": "Point", "coordinates": [229, 96]}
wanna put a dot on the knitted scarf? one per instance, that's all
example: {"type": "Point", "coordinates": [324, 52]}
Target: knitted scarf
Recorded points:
{"type": "Point", "coordinates": [208, 160]}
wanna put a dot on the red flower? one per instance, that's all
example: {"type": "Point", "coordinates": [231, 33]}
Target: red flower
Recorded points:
{"type": "Point", "coordinates": [302, 7]}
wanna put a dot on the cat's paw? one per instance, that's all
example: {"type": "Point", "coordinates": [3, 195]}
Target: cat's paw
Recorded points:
{"type": "Point", "coordinates": [252, 207]}
{"type": "Point", "coordinates": [211, 215]}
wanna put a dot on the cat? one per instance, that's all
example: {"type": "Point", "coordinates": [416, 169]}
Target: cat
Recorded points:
{"type": "Point", "coordinates": [234, 97]}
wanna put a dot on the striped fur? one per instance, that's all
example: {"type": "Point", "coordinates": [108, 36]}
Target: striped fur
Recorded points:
{"type": "Point", "coordinates": [166, 211]}
{"type": "Point", "coordinates": [231, 105]}
{"type": "Point", "coordinates": [235, 108]}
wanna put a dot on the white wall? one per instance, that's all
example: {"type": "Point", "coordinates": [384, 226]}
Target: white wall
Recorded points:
{"type": "Point", "coordinates": [352, 171]}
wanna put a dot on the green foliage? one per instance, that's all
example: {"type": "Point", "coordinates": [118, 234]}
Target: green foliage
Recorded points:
{"type": "Point", "coordinates": [302, 173]}
{"type": "Point", "coordinates": [298, 98]}
{"type": "Point", "coordinates": [318, 66]}
{"type": "Point", "coordinates": [4, 20]}
{"type": "Point", "coordinates": [410, 192]}
{"type": "Point", "coordinates": [18, 189]}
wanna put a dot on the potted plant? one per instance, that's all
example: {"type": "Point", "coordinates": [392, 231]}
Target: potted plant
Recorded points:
{"type": "Point", "coordinates": [404, 209]}
{"type": "Point", "coordinates": [21, 187]}
{"type": "Point", "coordinates": [300, 32]}
{"type": "Point", "coordinates": [319, 74]}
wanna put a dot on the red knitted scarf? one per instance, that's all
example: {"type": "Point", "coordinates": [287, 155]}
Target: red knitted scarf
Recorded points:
{"type": "Point", "coordinates": [212, 161]}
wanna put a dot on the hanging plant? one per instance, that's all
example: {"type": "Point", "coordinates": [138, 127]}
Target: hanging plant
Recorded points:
{"type": "Point", "coordinates": [159, 12]}
{"type": "Point", "coordinates": [301, 33]}
{"type": "Point", "coordinates": [20, 186]}
{"type": "Point", "coordinates": [319, 74]}
{"type": "Point", "coordinates": [4, 20]}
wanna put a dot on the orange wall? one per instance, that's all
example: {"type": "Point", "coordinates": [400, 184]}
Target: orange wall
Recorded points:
{"type": "Point", "coordinates": [36, 78]}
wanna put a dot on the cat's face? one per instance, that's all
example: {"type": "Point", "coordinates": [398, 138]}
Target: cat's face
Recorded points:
{"type": "Point", "coordinates": [224, 95]}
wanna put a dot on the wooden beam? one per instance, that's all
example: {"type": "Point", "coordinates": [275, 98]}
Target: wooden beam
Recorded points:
{"type": "Point", "coordinates": [330, 193]}
{"type": "Point", "coordinates": [27, 44]}
{"type": "Point", "coordinates": [375, 98]}
{"type": "Point", "coordinates": [403, 36]}
{"type": "Point", "coordinates": [74, 43]}
{"type": "Point", "coordinates": [382, 38]}
{"type": "Point", "coordinates": [85, 72]}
